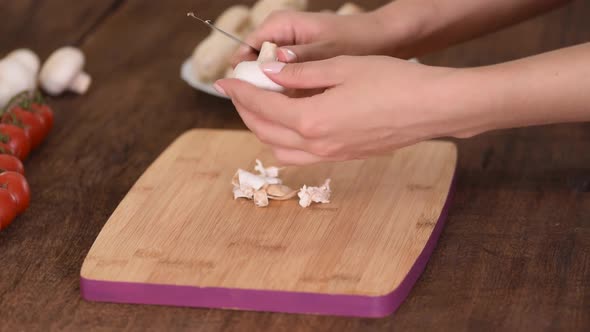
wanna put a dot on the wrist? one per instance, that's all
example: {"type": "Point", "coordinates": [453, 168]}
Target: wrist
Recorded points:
{"type": "Point", "coordinates": [403, 25]}
{"type": "Point", "coordinates": [468, 102]}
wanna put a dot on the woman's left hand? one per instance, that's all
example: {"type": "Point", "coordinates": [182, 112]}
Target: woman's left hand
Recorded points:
{"type": "Point", "coordinates": [365, 106]}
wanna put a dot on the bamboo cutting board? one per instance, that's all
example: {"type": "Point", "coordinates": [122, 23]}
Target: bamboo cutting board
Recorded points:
{"type": "Point", "coordinates": [179, 238]}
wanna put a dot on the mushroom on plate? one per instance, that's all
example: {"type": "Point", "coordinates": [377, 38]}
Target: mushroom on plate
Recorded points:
{"type": "Point", "coordinates": [64, 71]}
{"type": "Point", "coordinates": [211, 57]}
{"type": "Point", "coordinates": [349, 8]}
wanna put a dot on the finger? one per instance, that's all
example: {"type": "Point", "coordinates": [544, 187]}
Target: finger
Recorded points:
{"type": "Point", "coordinates": [306, 75]}
{"type": "Point", "coordinates": [276, 29]}
{"type": "Point", "coordinates": [305, 52]}
{"type": "Point", "coordinates": [270, 133]}
{"type": "Point", "coordinates": [292, 157]}
{"type": "Point", "coordinates": [272, 106]}
{"type": "Point", "coordinates": [244, 53]}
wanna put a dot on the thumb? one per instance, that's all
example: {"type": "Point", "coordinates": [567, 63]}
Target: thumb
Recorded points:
{"type": "Point", "coordinates": [304, 75]}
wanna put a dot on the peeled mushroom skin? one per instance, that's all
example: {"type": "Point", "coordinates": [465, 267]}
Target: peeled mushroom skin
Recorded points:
{"type": "Point", "coordinates": [280, 192]}
{"type": "Point", "coordinates": [63, 70]}
{"type": "Point", "coordinates": [235, 19]}
{"type": "Point", "coordinates": [211, 57]}
{"type": "Point", "coordinates": [260, 198]}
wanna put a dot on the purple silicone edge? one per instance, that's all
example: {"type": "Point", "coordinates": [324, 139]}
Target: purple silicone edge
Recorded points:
{"type": "Point", "coordinates": [265, 300]}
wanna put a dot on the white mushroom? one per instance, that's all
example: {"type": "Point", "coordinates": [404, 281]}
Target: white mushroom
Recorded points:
{"type": "Point", "coordinates": [308, 195]}
{"type": "Point", "coordinates": [63, 71]}
{"type": "Point", "coordinates": [263, 8]}
{"type": "Point", "coordinates": [15, 77]}
{"type": "Point", "coordinates": [251, 72]}
{"type": "Point", "coordinates": [350, 8]}
{"type": "Point", "coordinates": [27, 58]}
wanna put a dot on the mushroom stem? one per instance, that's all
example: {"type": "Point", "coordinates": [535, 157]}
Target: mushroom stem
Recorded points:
{"type": "Point", "coordinates": [80, 83]}
{"type": "Point", "coordinates": [268, 52]}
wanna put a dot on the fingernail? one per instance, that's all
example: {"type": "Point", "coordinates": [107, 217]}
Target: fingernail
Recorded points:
{"type": "Point", "coordinates": [289, 55]}
{"type": "Point", "coordinates": [219, 89]}
{"type": "Point", "coordinates": [272, 67]}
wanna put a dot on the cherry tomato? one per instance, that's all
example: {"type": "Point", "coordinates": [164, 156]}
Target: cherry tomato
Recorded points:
{"type": "Point", "coordinates": [13, 140]}
{"type": "Point", "coordinates": [45, 112]}
{"type": "Point", "coordinates": [17, 185]}
{"type": "Point", "coordinates": [8, 208]}
{"type": "Point", "coordinates": [11, 163]}
{"type": "Point", "coordinates": [32, 123]}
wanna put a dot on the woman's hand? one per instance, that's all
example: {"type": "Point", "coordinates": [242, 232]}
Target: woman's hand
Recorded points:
{"type": "Point", "coordinates": [308, 36]}
{"type": "Point", "coordinates": [368, 105]}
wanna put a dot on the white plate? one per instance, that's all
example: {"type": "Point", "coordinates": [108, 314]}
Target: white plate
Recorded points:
{"type": "Point", "coordinates": [186, 73]}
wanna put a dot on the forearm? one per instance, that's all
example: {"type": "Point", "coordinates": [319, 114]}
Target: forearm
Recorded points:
{"type": "Point", "coordinates": [417, 27]}
{"type": "Point", "coordinates": [543, 89]}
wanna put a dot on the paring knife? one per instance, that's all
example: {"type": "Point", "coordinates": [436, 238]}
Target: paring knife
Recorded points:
{"type": "Point", "coordinates": [212, 26]}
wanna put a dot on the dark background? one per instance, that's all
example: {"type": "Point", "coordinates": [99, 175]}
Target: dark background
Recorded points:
{"type": "Point", "coordinates": [514, 255]}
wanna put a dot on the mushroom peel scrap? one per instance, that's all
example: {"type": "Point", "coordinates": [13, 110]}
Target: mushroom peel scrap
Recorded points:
{"type": "Point", "coordinates": [63, 71]}
{"type": "Point", "coordinates": [321, 194]}
{"type": "Point", "coordinates": [251, 72]}
{"type": "Point", "coordinates": [211, 57]}
{"type": "Point", "coordinates": [267, 186]}
{"type": "Point", "coordinates": [260, 187]}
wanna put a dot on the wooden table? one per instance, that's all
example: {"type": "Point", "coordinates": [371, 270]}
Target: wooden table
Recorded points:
{"type": "Point", "coordinates": [515, 253]}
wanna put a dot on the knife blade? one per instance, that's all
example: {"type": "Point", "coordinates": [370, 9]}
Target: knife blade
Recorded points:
{"type": "Point", "coordinates": [212, 26]}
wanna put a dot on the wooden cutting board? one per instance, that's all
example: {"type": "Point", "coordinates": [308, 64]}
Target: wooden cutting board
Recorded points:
{"type": "Point", "coordinates": [179, 238]}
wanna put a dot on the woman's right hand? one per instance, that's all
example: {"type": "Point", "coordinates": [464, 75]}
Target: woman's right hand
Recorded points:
{"type": "Point", "coordinates": [308, 36]}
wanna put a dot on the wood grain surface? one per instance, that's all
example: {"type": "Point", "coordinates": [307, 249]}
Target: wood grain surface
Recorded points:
{"type": "Point", "coordinates": [179, 224]}
{"type": "Point", "coordinates": [514, 255]}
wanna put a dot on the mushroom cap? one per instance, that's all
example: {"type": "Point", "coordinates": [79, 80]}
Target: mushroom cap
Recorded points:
{"type": "Point", "coordinates": [5, 93]}
{"type": "Point", "coordinates": [251, 72]}
{"type": "Point", "coordinates": [27, 58]}
{"type": "Point", "coordinates": [60, 69]}
{"type": "Point", "coordinates": [15, 78]}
